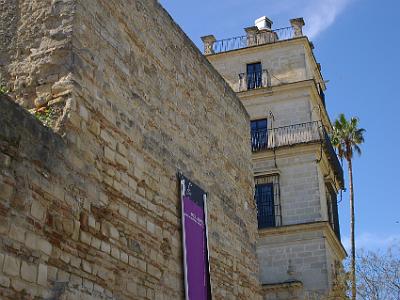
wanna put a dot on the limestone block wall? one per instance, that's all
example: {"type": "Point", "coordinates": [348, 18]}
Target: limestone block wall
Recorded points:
{"type": "Point", "coordinates": [289, 107]}
{"type": "Point", "coordinates": [91, 211]}
{"type": "Point", "coordinates": [335, 268]}
{"type": "Point", "coordinates": [35, 50]}
{"type": "Point", "coordinates": [285, 62]}
{"type": "Point", "coordinates": [299, 256]}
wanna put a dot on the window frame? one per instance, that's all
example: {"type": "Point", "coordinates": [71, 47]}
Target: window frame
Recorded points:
{"type": "Point", "coordinates": [259, 136]}
{"type": "Point", "coordinates": [254, 78]}
{"type": "Point", "coordinates": [332, 209]}
{"type": "Point", "coordinates": [273, 181]}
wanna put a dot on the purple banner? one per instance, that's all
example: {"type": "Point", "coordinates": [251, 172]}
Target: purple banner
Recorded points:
{"type": "Point", "coordinates": [197, 277]}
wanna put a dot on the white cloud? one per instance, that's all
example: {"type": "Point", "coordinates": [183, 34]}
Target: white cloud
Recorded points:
{"type": "Point", "coordinates": [318, 14]}
{"type": "Point", "coordinates": [371, 241]}
{"type": "Point", "coordinates": [321, 14]}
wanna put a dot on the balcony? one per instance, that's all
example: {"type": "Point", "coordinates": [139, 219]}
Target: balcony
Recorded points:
{"type": "Point", "coordinates": [255, 80]}
{"type": "Point", "coordinates": [260, 38]}
{"type": "Point", "coordinates": [261, 34]}
{"type": "Point", "coordinates": [304, 133]}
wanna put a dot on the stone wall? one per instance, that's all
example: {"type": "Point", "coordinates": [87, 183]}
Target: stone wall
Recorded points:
{"type": "Point", "coordinates": [299, 256]}
{"type": "Point", "coordinates": [92, 210]}
{"type": "Point", "coordinates": [289, 107]}
{"type": "Point", "coordinates": [35, 50]}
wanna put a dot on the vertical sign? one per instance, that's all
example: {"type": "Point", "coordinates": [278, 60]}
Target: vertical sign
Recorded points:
{"type": "Point", "coordinates": [195, 245]}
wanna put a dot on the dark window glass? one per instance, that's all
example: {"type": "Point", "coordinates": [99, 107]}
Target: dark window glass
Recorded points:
{"type": "Point", "coordinates": [254, 76]}
{"type": "Point", "coordinates": [335, 214]}
{"type": "Point", "coordinates": [333, 211]}
{"type": "Point", "coordinates": [259, 135]}
{"type": "Point", "coordinates": [265, 205]}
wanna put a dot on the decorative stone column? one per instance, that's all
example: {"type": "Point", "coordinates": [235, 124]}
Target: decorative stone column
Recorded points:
{"type": "Point", "coordinates": [208, 41]}
{"type": "Point", "coordinates": [297, 25]}
{"type": "Point", "coordinates": [251, 33]}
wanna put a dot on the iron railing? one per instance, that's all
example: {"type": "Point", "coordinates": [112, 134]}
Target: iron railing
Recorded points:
{"type": "Point", "coordinates": [286, 136]}
{"type": "Point", "coordinates": [254, 80]}
{"type": "Point", "coordinates": [303, 133]}
{"type": "Point", "coordinates": [261, 38]}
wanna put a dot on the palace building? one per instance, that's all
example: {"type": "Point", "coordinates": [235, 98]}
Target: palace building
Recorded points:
{"type": "Point", "coordinates": [296, 171]}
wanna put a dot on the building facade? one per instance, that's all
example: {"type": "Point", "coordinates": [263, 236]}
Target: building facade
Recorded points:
{"type": "Point", "coordinates": [296, 171]}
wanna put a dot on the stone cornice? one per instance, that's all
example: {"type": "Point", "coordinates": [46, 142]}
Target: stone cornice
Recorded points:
{"type": "Point", "coordinates": [267, 172]}
{"type": "Point", "coordinates": [282, 285]}
{"type": "Point", "coordinates": [288, 151]}
{"type": "Point", "coordinates": [324, 226]}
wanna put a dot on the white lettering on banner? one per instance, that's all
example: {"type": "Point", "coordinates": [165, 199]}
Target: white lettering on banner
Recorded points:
{"type": "Point", "coordinates": [195, 219]}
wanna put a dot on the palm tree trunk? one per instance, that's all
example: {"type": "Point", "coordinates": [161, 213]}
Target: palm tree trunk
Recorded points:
{"type": "Point", "coordinates": [352, 233]}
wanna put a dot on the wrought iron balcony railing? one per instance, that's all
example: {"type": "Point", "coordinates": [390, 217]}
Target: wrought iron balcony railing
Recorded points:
{"type": "Point", "coordinates": [255, 80]}
{"type": "Point", "coordinates": [261, 38]}
{"type": "Point", "coordinates": [310, 132]}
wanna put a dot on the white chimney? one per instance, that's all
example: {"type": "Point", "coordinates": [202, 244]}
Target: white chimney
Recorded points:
{"type": "Point", "coordinates": [263, 23]}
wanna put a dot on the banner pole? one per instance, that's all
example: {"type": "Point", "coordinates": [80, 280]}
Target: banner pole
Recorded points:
{"type": "Point", "coordinates": [183, 188]}
{"type": "Point", "coordinates": [208, 248]}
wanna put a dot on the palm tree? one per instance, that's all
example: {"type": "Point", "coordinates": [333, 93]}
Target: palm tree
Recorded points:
{"type": "Point", "coordinates": [347, 137]}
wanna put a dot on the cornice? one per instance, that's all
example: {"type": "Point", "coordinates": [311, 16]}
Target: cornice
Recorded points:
{"type": "Point", "coordinates": [324, 226]}
{"type": "Point", "coordinates": [282, 285]}
{"type": "Point", "coordinates": [276, 88]}
{"type": "Point", "coordinates": [288, 151]}
{"type": "Point", "coordinates": [267, 172]}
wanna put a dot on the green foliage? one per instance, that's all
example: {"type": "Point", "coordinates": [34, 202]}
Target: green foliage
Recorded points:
{"type": "Point", "coordinates": [3, 90]}
{"type": "Point", "coordinates": [347, 137]}
{"type": "Point", "coordinates": [46, 116]}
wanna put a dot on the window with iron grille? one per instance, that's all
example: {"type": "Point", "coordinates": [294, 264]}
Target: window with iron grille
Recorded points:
{"type": "Point", "coordinates": [333, 214]}
{"type": "Point", "coordinates": [267, 197]}
{"type": "Point", "coordinates": [259, 135]}
{"type": "Point", "coordinates": [254, 76]}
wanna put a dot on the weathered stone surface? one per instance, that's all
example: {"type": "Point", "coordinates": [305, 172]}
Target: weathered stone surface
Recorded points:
{"type": "Point", "coordinates": [17, 233]}
{"type": "Point", "coordinates": [4, 281]}
{"type": "Point", "coordinates": [11, 265]}
{"type": "Point", "coordinates": [42, 275]}
{"type": "Point", "coordinates": [140, 104]}
{"type": "Point", "coordinates": [37, 210]}
{"type": "Point", "coordinates": [6, 191]}
{"type": "Point", "coordinates": [28, 272]}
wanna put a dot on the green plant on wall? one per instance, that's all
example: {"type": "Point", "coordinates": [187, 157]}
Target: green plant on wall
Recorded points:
{"type": "Point", "coordinates": [3, 90]}
{"type": "Point", "coordinates": [46, 116]}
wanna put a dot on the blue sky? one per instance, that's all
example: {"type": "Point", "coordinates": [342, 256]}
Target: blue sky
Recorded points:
{"type": "Point", "coordinates": [357, 43]}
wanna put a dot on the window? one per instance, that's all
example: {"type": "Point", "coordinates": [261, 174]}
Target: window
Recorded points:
{"type": "Point", "coordinates": [265, 205]}
{"type": "Point", "coordinates": [267, 201]}
{"type": "Point", "coordinates": [254, 76]}
{"type": "Point", "coordinates": [333, 214]}
{"type": "Point", "coordinates": [259, 135]}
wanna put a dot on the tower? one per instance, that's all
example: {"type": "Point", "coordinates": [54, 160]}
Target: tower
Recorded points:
{"type": "Point", "coordinates": [296, 171]}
